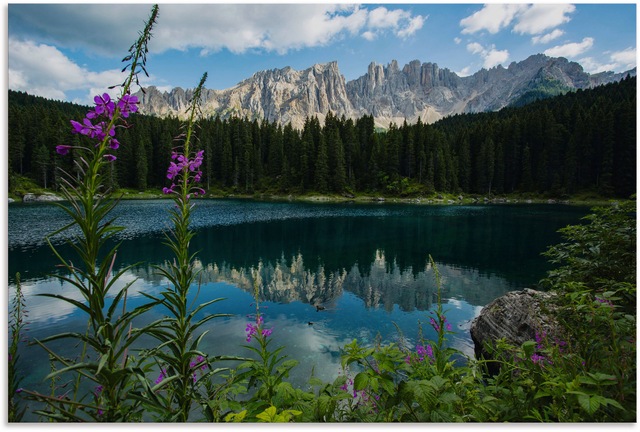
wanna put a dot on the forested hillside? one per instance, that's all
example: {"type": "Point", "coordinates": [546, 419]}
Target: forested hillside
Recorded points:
{"type": "Point", "coordinates": [582, 141]}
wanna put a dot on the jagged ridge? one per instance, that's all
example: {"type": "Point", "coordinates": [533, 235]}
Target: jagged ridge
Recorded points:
{"type": "Point", "coordinates": [417, 91]}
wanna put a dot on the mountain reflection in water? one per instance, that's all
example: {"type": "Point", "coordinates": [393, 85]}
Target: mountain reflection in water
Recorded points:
{"type": "Point", "coordinates": [383, 284]}
{"type": "Point", "coordinates": [352, 271]}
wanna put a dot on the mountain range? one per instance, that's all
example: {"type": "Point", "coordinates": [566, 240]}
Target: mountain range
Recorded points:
{"type": "Point", "coordinates": [417, 91]}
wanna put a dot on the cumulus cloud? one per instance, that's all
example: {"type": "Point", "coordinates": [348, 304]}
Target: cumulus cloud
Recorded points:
{"type": "Point", "coordinates": [555, 34]}
{"type": "Point", "coordinates": [43, 70]}
{"type": "Point", "coordinates": [40, 34]}
{"type": "Point", "coordinates": [527, 19]}
{"type": "Point", "coordinates": [490, 56]}
{"type": "Point", "coordinates": [492, 18]}
{"type": "Point", "coordinates": [208, 27]}
{"type": "Point", "coordinates": [572, 49]}
{"type": "Point", "coordinates": [539, 18]}
{"type": "Point", "coordinates": [625, 59]}
{"type": "Point", "coordinates": [102, 29]}
{"type": "Point", "coordinates": [619, 61]}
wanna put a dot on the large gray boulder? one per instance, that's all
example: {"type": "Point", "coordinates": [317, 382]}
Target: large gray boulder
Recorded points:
{"type": "Point", "coordinates": [516, 316]}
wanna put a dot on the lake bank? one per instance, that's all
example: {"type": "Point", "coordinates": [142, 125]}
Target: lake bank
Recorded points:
{"type": "Point", "coordinates": [437, 198]}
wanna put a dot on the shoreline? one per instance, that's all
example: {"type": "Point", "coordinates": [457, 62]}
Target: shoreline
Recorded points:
{"type": "Point", "coordinates": [435, 199]}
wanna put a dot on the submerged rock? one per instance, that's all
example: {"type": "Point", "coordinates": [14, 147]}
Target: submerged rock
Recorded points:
{"type": "Point", "coordinates": [516, 316]}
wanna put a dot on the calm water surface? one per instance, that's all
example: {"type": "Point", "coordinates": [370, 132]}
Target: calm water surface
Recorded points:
{"type": "Point", "coordinates": [367, 265]}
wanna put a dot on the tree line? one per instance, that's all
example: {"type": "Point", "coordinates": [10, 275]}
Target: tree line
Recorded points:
{"type": "Point", "coordinates": [582, 141]}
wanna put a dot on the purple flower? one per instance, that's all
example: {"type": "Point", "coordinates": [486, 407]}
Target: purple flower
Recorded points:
{"type": "Point", "coordinates": [537, 359]}
{"type": "Point", "coordinates": [98, 390]}
{"type": "Point", "coordinates": [267, 332]}
{"type": "Point", "coordinates": [163, 374]}
{"type": "Point", "coordinates": [114, 144]}
{"type": "Point", "coordinates": [181, 164]}
{"type": "Point", "coordinates": [424, 352]}
{"type": "Point", "coordinates": [110, 157]}
{"type": "Point", "coordinates": [104, 105]}
{"type": "Point", "coordinates": [128, 104]}
{"type": "Point", "coordinates": [63, 149]}
{"type": "Point", "coordinates": [435, 325]}
{"type": "Point", "coordinates": [251, 331]}
{"type": "Point", "coordinates": [604, 301]}
{"type": "Point", "coordinates": [84, 128]}
{"type": "Point", "coordinates": [173, 170]}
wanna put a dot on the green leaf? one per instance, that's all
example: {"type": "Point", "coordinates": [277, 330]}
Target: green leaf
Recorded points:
{"type": "Point", "coordinates": [103, 361]}
{"type": "Point", "coordinates": [236, 417]}
{"type": "Point", "coordinates": [361, 381]}
{"type": "Point", "coordinates": [268, 415]}
{"type": "Point", "coordinates": [589, 403]}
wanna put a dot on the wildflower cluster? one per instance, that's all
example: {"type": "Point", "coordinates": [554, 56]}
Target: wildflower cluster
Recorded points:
{"type": "Point", "coordinates": [189, 167]}
{"type": "Point", "coordinates": [255, 329]}
{"type": "Point", "coordinates": [435, 324]}
{"type": "Point", "coordinates": [198, 363]}
{"type": "Point", "coordinates": [362, 398]}
{"type": "Point", "coordinates": [184, 168]}
{"type": "Point", "coordinates": [422, 353]}
{"type": "Point", "coordinates": [100, 123]}
{"type": "Point", "coordinates": [543, 344]}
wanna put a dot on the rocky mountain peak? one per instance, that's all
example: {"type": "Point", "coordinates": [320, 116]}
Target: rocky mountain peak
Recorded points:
{"type": "Point", "coordinates": [391, 94]}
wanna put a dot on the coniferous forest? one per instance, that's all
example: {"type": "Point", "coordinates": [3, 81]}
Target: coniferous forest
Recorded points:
{"type": "Point", "coordinates": [581, 141]}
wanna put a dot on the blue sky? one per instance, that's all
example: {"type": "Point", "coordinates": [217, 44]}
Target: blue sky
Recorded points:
{"type": "Point", "coordinates": [73, 51]}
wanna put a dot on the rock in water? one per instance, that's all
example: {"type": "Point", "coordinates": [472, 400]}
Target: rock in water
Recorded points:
{"type": "Point", "coordinates": [517, 317]}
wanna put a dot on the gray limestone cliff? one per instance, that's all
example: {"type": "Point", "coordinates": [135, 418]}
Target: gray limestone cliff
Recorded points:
{"type": "Point", "coordinates": [389, 93]}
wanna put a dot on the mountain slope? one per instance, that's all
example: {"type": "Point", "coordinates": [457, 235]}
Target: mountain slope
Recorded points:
{"type": "Point", "coordinates": [390, 94]}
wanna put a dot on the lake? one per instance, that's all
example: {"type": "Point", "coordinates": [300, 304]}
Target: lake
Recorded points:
{"type": "Point", "coordinates": [365, 264]}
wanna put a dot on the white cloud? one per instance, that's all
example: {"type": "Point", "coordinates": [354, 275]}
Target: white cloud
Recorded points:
{"type": "Point", "coordinates": [464, 72]}
{"type": "Point", "coordinates": [555, 34]}
{"type": "Point", "coordinates": [491, 56]}
{"type": "Point", "coordinates": [208, 27]}
{"type": "Point", "coordinates": [625, 59]}
{"type": "Point", "coordinates": [457, 40]}
{"type": "Point", "coordinates": [528, 19]}
{"type": "Point", "coordinates": [413, 26]}
{"type": "Point", "coordinates": [591, 65]}
{"type": "Point", "coordinates": [572, 49]}
{"type": "Point", "coordinates": [495, 57]}
{"type": "Point", "coordinates": [369, 35]}
{"type": "Point", "coordinates": [475, 48]}
{"type": "Point", "coordinates": [619, 61]}
{"type": "Point", "coordinates": [106, 29]}
{"type": "Point", "coordinates": [541, 17]}
{"type": "Point", "coordinates": [492, 18]}
{"type": "Point", "coordinates": [43, 70]}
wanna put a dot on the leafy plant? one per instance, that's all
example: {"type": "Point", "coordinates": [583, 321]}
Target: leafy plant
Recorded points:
{"type": "Point", "coordinates": [110, 333]}
{"type": "Point", "coordinates": [183, 368]}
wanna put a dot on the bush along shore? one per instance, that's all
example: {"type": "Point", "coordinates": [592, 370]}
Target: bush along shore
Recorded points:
{"type": "Point", "coordinates": [584, 372]}
{"type": "Point", "coordinates": [29, 192]}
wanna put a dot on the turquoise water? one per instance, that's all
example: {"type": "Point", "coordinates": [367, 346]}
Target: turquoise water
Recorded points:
{"type": "Point", "coordinates": [366, 265]}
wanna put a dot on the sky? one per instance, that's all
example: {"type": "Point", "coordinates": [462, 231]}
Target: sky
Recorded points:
{"type": "Point", "coordinates": [73, 51]}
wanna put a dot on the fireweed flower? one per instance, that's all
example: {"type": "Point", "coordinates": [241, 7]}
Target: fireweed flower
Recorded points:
{"type": "Point", "coordinates": [424, 352]}
{"type": "Point", "coordinates": [163, 374]}
{"type": "Point", "coordinates": [99, 123]}
{"type": "Point", "coordinates": [104, 105]}
{"type": "Point", "coordinates": [63, 149]}
{"type": "Point", "coordinates": [188, 168]}
{"type": "Point", "coordinates": [128, 104]}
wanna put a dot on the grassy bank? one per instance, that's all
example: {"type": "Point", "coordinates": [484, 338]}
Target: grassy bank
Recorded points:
{"type": "Point", "coordinates": [21, 186]}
